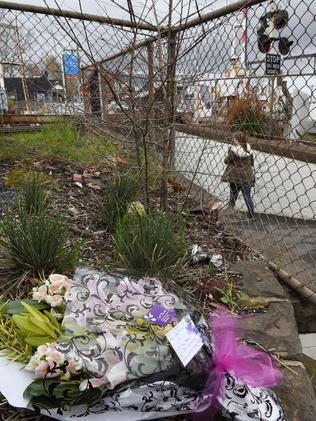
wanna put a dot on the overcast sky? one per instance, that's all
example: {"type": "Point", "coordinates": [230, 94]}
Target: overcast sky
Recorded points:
{"type": "Point", "coordinates": [108, 7]}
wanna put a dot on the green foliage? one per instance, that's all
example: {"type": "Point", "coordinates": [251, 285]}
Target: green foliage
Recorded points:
{"type": "Point", "coordinates": [54, 393]}
{"type": "Point", "coordinates": [19, 177]}
{"type": "Point", "coordinates": [120, 192]}
{"type": "Point", "coordinates": [150, 245]}
{"type": "Point", "coordinates": [36, 328]}
{"type": "Point", "coordinates": [16, 307]}
{"type": "Point", "coordinates": [60, 140]}
{"type": "Point", "coordinates": [309, 137]}
{"type": "Point", "coordinates": [251, 124]}
{"type": "Point", "coordinates": [62, 131]}
{"type": "Point", "coordinates": [12, 344]}
{"type": "Point", "coordinates": [232, 298]}
{"type": "Point", "coordinates": [245, 114]}
{"type": "Point", "coordinates": [34, 198]}
{"type": "Point", "coordinates": [228, 297]}
{"type": "Point", "coordinates": [37, 243]}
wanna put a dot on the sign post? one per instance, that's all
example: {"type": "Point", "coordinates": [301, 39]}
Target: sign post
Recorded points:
{"type": "Point", "coordinates": [273, 64]}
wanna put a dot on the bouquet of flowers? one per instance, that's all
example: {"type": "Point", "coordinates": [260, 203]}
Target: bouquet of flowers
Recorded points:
{"type": "Point", "coordinates": [101, 347]}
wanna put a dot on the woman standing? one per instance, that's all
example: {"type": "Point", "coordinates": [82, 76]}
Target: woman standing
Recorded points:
{"type": "Point", "coordinates": [239, 171]}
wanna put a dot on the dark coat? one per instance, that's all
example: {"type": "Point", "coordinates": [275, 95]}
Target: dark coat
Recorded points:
{"type": "Point", "coordinates": [238, 169]}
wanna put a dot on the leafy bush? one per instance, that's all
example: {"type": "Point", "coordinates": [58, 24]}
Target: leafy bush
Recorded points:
{"type": "Point", "coordinates": [245, 114]}
{"type": "Point", "coordinates": [148, 244]}
{"type": "Point", "coordinates": [37, 243]}
{"type": "Point", "coordinates": [121, 191]}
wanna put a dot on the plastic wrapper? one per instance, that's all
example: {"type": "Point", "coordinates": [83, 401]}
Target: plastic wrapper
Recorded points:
{"type": "Point", "coordinates": [130, 360]}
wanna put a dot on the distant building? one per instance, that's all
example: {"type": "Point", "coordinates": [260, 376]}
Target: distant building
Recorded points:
{"type": "Point", "coordinates": [40, 89]}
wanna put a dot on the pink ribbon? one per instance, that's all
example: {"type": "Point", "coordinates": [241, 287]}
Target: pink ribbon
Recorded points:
{"type": "Point", "coordinates": [245, 364]}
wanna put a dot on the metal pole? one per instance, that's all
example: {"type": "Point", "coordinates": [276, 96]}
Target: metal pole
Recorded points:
{"type": "Point", "coordinates": [75, 15]}
{"type": "Point", "coordinates": [64, 85]}
{"type": "Point", "coordinates": [272, 78]}
{"type": "Point", "coordinates": [151, 92]}
{"type": "Point", "coordinates": [172, 93]}
{"type": "Point", "coordinates": [102, 97]}
{"type": "Point", "coordinates": [22, 68]}
{"type": "Point", "coordinates": [245, 35]}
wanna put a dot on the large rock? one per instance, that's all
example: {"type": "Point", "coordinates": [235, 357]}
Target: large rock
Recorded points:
{"type": "Point", "coordinates": [258, 280]}
{"type": "Point", "coordinates": [297, 396]}
{"type": "Point", "coordinates": [276, 330]}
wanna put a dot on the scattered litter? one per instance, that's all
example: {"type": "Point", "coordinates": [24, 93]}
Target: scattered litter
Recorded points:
{"type": "Point", "coordinates": [199, 256]}
{"type": "Point", "coordinates": [216, 259]}
{"type": "Point", "coordinates": [78, 184]}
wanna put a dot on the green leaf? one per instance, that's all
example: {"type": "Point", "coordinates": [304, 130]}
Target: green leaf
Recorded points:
{"type": "Point", "coordinates": [46, 402]}
{"type": "Point", "coordinates": [38, 387]}
{"type": "Point", "coordinates": [16, 307]}
{"type": "Point", "coordinates": [26, 326]}
{"type": "Point", "coordinates": [38, 340]}
{"type": "Point", "coordinates": [242, 296]}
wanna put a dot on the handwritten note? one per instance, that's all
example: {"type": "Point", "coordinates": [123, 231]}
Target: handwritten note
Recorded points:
{"type": "Point", "coordinates": [185, 339]}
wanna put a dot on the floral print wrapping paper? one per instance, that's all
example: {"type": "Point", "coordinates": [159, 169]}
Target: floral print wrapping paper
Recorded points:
{"type": "Point", "coordinates": [104, 320]}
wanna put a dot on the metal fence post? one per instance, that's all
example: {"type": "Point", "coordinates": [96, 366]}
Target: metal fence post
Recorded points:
{"type": "Point", "coordinates": [102, 95]}
{"type": "Point", "coordinates": [151, 91]}
{"type": "Point", "coordinates": [172, 93]}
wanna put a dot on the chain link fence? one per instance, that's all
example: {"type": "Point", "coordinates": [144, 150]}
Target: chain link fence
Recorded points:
{"type": "Point", "coordinates": [176, 94]}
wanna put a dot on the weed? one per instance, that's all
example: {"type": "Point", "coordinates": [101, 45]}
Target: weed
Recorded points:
{"type": "Point", "coordinates": [34, 198]}
{"type": "Point", "coordinates": [59, 140]}
{"type": "Point", "coordinates": [121, 191]}
{"type": "Point", "coordinates": [245, 114]}
{"type": "Point", "coordinates": [231, 296]}
{"type": "Point", "coordinates": [150, 244]}
{"type": "Point", "coordinates": [62, 131]}
{"type": "Point", "coordinates": [37, 243]}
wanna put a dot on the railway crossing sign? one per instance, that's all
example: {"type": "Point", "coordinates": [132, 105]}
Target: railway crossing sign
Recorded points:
{"type": "Point", "coordinates": [273, 64]}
